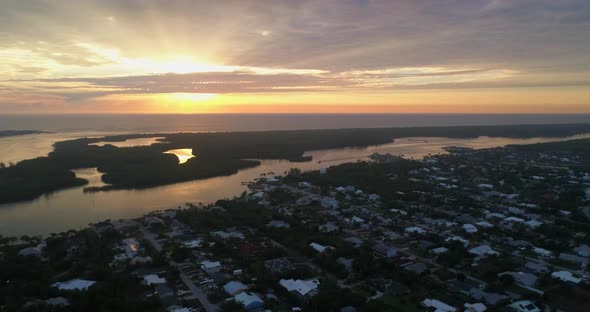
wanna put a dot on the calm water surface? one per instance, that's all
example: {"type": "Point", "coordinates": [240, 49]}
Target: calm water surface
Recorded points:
{"type": "Point", "coordinates": [66, 127]}
{"type": "Point", "coordinates": [74, 209]}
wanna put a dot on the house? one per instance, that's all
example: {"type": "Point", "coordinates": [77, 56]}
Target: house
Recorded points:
{"type": "Point", "coordinates": [437, 305]}
{"type": "Point", "coordinates": [483, 251]}
{"type": "Point", "coordinates": [514, 220]}
{"type": "Point", "coordinates": [211, 266]}
{"type": "Point", "coordinates": [522, 279]}
{"type": "Point", "coordinates": [278, 224]}
{"type": "Point", "coordinates": [484, 225]}
{"type": "Point", "coordinates": [347, 263]}
{"type": "Point", "coordinates": [414, 230]}
{"type": "Point", "coordinates": [459, 239]}
{"type": "Point", "coordinates": [131, 247]}
{"type": "Point", "coordinates": [382, 250]}
{"type": "Point", "coordinates": [102, 227]}
{"type": "Point", "coordinates": [356, 242]}
{"type": "Point", "coordinates": [355, 219]}
{"type": "Point", "coordinates": [533, 224]}
{"type": "Point", "coordinates": [192, 243]}
{"type": "Point", "coordinates": [57, 302]}
{"type": "Point", "coordinates": [524, 306]}
{"type": "Point", "coordinates": [417, 268]}
{"type": "Point", "coordinates": [566, 276]}
{"type": "Point", "coordinates": [469, 228]}
{"type": "Point", "coordinates": [534, 267]}
{"type": "Point", "coordinates": [328, 228]}
{"type": "Point", "coordinates": [228, 235]}
{"type": "Point", "coordinates": [280, 265]}
{"type": "Point", "coordinates": [234, 287]}
{"type": "Point", "coordinates": [75, 284]}
{"type": "Point", "coordinates": [165, 293]}
{"type": "Point", "coordinates": [303, 288]}
{"type": "Point", "coordinates": [140, 260]}
{"type": "Point", "coordinates": [439, 250]}
{"type": "Point", "coordinates": [30, 251]}
{"type": "Point", "coordinates": [320, 248]}
{"type": "Point", "coordinates": [475, 307]}
{"type": "Point", "coordinates": [542, 252]}
{"type": "Point", "coordinates": [487, 297]}
{"type": "Point", "coordinates": [153, 279]}
{"type": "Point", "coordinates": [583, 251]}
{"type": "Point", "coordinates": [151, 220]}
{"type": "Point", "coordinates": [485, 186]}
{"type": "Point", "coordinates": [495, 215]}
{"type": "Point", "coordinates": [573, 258]}
{"type": "Point", "coordinates": [329, 202]}
{"type": "Point", "coordinates": [250, 301]}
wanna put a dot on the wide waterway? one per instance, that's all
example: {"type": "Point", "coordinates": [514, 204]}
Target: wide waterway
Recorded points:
{"type": "Point", "coordinates": [74, 209]}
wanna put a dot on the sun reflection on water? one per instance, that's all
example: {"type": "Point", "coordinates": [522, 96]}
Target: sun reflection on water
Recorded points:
{"type": "Point", "coordinates": [183, 154]}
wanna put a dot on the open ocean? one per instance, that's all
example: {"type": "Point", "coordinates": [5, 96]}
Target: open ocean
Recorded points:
{"type": "Point", "coordinates": [259, 122]}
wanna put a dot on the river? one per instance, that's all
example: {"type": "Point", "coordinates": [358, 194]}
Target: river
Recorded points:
{"type": "Point", "coordinates": [74, 209]}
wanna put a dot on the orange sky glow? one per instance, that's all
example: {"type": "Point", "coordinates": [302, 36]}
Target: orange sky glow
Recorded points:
{"type": "Point", "coordinates": [328, 56]}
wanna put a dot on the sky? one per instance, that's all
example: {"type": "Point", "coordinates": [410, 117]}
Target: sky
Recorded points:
{"type": "Point", "coordinates": [294, 56]}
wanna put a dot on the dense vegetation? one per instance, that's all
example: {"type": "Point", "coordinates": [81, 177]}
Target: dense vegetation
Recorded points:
{"type": "Point", "coordinates": [216, 154]}
{"type": "Point", "coordinates": [579, 145]}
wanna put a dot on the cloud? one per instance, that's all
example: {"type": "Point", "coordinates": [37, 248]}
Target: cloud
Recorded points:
{"type": "Point", "coordinates": [84, 49]}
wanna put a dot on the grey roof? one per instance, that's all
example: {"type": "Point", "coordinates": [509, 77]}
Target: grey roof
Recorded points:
{"type": "Point", "coordinates": [536, 267]}
{"type": "Point", "coordinates": [522, 278]}
{"type": "Point", "coordinates": [573, 258]}
{"type": "Point", "coordinates": [417, 267]}
{"type": "Point", "coordinates": [234, 287]}
{"type": "Point", "coordinates": [487, 297]}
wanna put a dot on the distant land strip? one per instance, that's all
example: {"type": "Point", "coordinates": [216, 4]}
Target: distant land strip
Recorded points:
{"type": "Point", "coordinates": [7, 133]}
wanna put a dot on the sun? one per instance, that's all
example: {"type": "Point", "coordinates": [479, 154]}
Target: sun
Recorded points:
{"type": "Point", "coordinates": [190, 97]}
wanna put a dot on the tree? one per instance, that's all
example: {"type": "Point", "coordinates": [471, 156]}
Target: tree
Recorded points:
{"type": "Point", "coordinates": [506, 280]}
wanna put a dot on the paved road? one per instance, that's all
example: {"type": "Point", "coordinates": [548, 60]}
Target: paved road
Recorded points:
{"type": "Point", "coordinates": [198, 293]}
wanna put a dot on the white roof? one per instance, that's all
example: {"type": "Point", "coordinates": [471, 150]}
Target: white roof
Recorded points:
{"type": "Point", "coordinates": [438, 305]}
{"type": "Point", "coordinates": [75, 284]}
{"type": "Point", "coordinates": [484, 224]}
{"type": "Point", "coordinates": [414, 229]}
{"type": "Point", "coordinates": [514, 219]}
{"type": "Point", "coordinates": [483, 250]}
{"type": "Point", "coordinates": [439, 250]}
{"type": "Point", "coordinates": [357, 219]}
{"type": "Point", "coordinates": [495, 215]}
{"type": "Point", "coordinates": [300, 286]}
{"type": "Point", "coordinates": [533, 223]}
{"type": "Point", "coordinates": [566, 276]}
{"type": "Point", "coordinates": [475, 307]}
{"type": "Point", "coordinates": [234, 287]}
{"type": "Point", "coordinates": [542, 251]}
{"type": "Point", "coordinates": [210, 264]}
{"type": "Point", "coordinates": [247, 298]}
{"type": "Point", "coordinates": [469, 228]}
{"type": "Point", "coordinates": [525, 306]}
{"type": "Point", "coordinates": [30, 251]}
{"type": "Point", "coordinates": [318, 247]}
{"type": "Point", "coordinates": [154, 279]}
{"type": "Point", "coordinates": [458, 239]}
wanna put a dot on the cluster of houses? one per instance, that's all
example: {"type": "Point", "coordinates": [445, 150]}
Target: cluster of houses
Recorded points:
{"type": "Point", "coordinates": [499, 228]}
